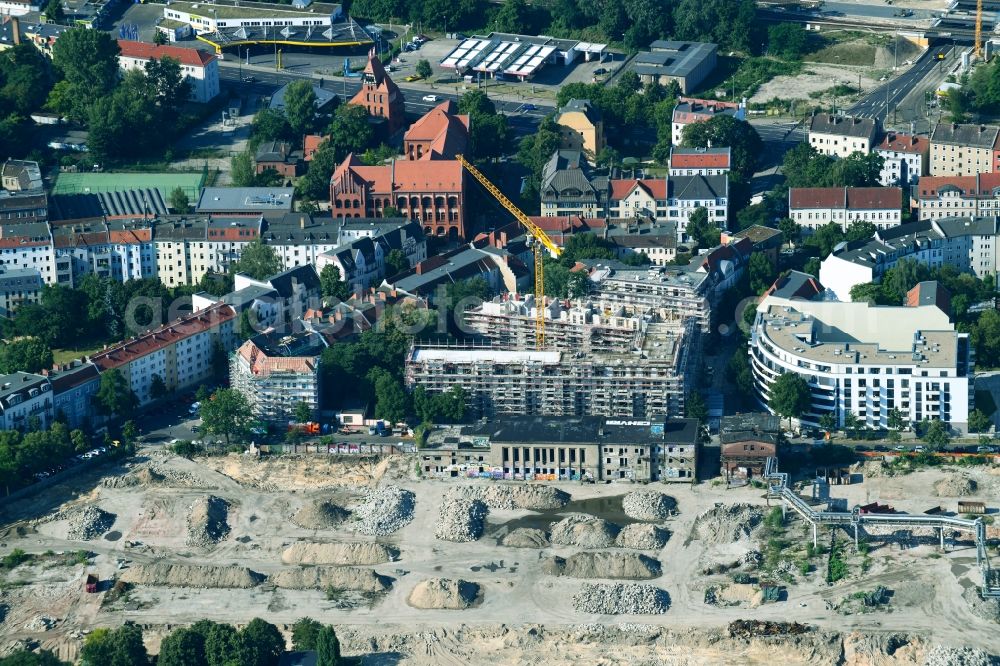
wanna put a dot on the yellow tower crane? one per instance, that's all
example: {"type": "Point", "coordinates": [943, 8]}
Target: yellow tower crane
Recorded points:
{"type": "Point", "coordinates": [542, 243]}
{"type": "Point", "coordinates": [979, 28]}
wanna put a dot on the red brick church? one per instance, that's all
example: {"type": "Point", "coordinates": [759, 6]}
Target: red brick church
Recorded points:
{"type": "Point", "coordinates": [381, 97]}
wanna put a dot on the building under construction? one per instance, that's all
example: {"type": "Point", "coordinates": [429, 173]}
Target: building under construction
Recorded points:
{"type": "Point", "coordinates": [593, 365]}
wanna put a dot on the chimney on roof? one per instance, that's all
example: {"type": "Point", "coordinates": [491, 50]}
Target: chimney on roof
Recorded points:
{"type": "Point", "coordinates": [15, 30]}
{"type": "Point", "coordinates": [302, 222]}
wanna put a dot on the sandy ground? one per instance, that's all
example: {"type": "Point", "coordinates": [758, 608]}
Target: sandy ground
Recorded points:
{"type": "Point", "coordinates": [151, 526]}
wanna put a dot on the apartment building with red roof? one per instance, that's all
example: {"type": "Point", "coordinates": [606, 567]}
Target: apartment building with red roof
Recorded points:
{"type": "Point", "coordinates": [200, 68]}
{"type": "Point", "coordinates": [690, 110]}
{"type": "Point", "coordinates": [699, 161]}
{"type": "Point", "coordinates": [905, 158]}
{"type": "Point", "coordinates": [381, 97]}
{"type": "Point", "coordinates": [276, 373]}
{"type": "Point", "coordinates": [813, 207]}
{"type": "Point", "coordinates": [429, 192]}
{"type": "Point", "coordinates": [183, 353]}
{"type": "Point", "coordinates": [441, 134]}
{"type": "Point", "coordinates": [958, 196]}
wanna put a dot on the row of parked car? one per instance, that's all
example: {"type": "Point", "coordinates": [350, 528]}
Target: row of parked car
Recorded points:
{"type": "Point", "coordinates": [79, 458]}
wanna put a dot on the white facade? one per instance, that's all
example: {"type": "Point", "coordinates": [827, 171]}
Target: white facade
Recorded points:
{"type": "Point", "coordinates": [201, 73]}
{"type": "Point", "coordinates": [30, 256]}
{"type": "Point", "coordinates": [23, 396]}
{"type": "Point", "coordinates": [865, 360]}
{"type": "Point", "coordinates": [15, 8]}
{"type": "Point", "coordinates": [901, 168]}
{"type": "Point", "coordinates": [813, 218]}
{"type": "Point", "coordinates": [204, 18]}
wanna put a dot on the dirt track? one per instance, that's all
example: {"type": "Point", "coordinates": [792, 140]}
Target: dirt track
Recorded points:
{"type": "Point", "coordinates": [264, 495]}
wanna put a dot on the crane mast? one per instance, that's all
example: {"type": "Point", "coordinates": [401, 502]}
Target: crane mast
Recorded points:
{"type": "Point", "coordinates": [542, 243]}
{"type": "Point", "coordinates": [979, 28]}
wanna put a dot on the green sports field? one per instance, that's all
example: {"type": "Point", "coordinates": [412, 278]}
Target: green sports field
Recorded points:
{"type": "Point", "coordinates": [78, 183]}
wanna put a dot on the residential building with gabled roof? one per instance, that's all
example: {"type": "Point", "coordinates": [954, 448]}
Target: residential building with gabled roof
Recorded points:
{"type": "Point", "coordinates": [964, 149]}
{"type": "Point", "coordinates": [950, 196]}
{"type": "Point", "coordinates": [700, 161]}
{"type": "Point", "coordinates": [581, 127]}
{"type": "Point", "coordinates": [690, 110]}
{"type": "Point", "coordinates": [906, 158]}
{"type": "Point", "coordinates": [813, 207]}
{"type": "Point", "coordinates": [200, 68]}
{"type": "Point", "coordinates": [277, 372]}
{"type": "Point", "coordinates": [839, 136]}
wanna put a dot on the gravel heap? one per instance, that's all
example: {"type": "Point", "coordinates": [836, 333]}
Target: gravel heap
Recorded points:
{"type": "Point", "coordinates": [583, 531]}
{"type": "Point", "coordinates": [988, 609]}
{"type": "Point", "coordinates": [384, 510]}
{"type": "Point", "coordinates": [955, 485]}
{"type": "Point", "coordinates": [186, 575]}
{"type": "Point", "coordinates": [525, 537]}
{"type": "Point", "coordinates": [642, 536]}
{"type": "Point", "coordinates": [338, 554]}
{"type": "Point", "coordinates": [512, 496]}
{"type": "Point", "coordinates": [208, 522]}
{"type": "Point", "coordinates": [648, 505]}
{"type": "Point", "coordinates": [603, 564]}
{"type": "Point", "coordinates": [727, 523]}
{"type": "Point", "coordinates": [338, 578]}
{"type": "Point", "coordinates": [89, 523]}
{"type": "Point", "coordinates": [940, 655]}
{"type": "Point", "coordinates": [444, 593]}
{"type": "Point", "coordinates": [143, 476]}
{"type": "Point", "coordinates": [621, 599]}
{"type": "Point", "coordinates": [320, 514]}
{"type": "Point", "coordinates": [461, 520]}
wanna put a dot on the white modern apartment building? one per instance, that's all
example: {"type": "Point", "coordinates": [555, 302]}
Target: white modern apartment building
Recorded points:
{"type": "Point", "coordinates": [200, 68]}
{"type": "Point", "coordinates": [28, 246]}
{"type": "Point", "coordinates": [905, 158]}
{"type": "Point", "coordinates": [865, 360]}
{"type": "Point", "coordinates": [814, 207]}
{"type": "Point", "coordinates": [24, 396]}
{"type": "Point", "coordinates": [969, 244]}
{"type": "Point", "coordinates": [840, 136]}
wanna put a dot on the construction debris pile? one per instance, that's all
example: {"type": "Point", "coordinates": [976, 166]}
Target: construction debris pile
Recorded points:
{"type": "Point", "coordinates": [727, 523]}
{"type": "Point", "coordinates": [621, 599]}
{"type": "Point", "coordinates": [208, 523]}
{"type": "Point", "coordinates": [337, 578]}
{"type": "Point", "coordinates": [511, 496]}
{"type": "Point", "coordinates": [142, 476]}
{"type": "Point", "coordinates": [339, 554]}
{"type": "Point", "coordinates": [748, 629]}
{"type": "Point", "coordinates": [89, 523]}
{"type": "Point", "coordinates": [384, 511]}
{"type": "Point", "coordinates": [642, 536]}
{"type": "Point", "coordinates": [955, 485]}
{"type": "Point", "coordinates": [525, 537]}
{"type": "Point", "coordinates": [648, 505]}
{"type": "Point", "coordinates": [185, 575]}
{"type": "Point", "coordinates": [444, 593]}
{"type": "Point", "coordinates": [461, 520]}
{"type": "Point", "coordinates": [940, 655]}
{"type": "Point", "coordinates": [603, 564]}
{"type": "Point", "coordinates": [320, 515]}
{"type": "Point", "coordinates": [584, 531]}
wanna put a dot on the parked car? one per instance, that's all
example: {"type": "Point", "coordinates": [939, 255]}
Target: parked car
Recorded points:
{"type": "Point", "coordinates": [430, 98]}
{"type": "Point", "coordinates": [529, 107]}
{"type": "Point", "coordinates": [600, 70]}
{"type": "Point", "coordinates": [985, 449]}
{"type": "Point", "coordinates": [249, 79]}
{"type": "Point", "coordinates": [899, 447]}
{"type": "Point", "coordinates": [918, 448]}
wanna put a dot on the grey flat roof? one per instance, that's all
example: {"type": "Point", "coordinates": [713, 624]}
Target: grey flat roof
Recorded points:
{"type": "Point", "coordinates": [323, 97]}
{"type": "Point", "coordinates": [670, 58]}
{"type": "Point", "coordinates": [585, 430]}
{"type": "Point", "coordinates": [248, 199]}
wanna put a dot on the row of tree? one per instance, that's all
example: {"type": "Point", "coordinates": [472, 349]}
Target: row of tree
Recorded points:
{"type": "Point", "coordinates": [803, 166]}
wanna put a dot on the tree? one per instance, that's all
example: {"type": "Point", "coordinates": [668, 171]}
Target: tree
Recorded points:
{"type": "Point", "coordinates": [115, 647]}
{"type": "Point", "coordinates": [54, 12]}
{"type": "Point", "coordinates": [173, 90]}
{"type": "Point", "coordinates": [390, 399]}
{"type": "Point", "coordinates": [303, 412]}
{"type": "Point", "coordinates": [825, 238]}
{"type": "Point", "coordinates": [379, 155]}
{"type": "Point", "coordinates": [227, 413]}
{"type": "Point", "coordinates": [157, 387]}
{"type": "Point", "coordinates": [160, 38]}
{"type": "Point", "coordinates": [270, 125]}
{"type": "Point", "coordinates": [304, 634]}
{"type": "Point", "coordinates": [26, 658]}
{"type": "Point", "coordinates": [182, 647]}
{"type": "Point", "coordinates": [327, 647]}
{"type": "Point", "coordinates": [396, 262]}
{"type": "Point", "coordinates": [332, 285]}
{"type": "Point", "coordinates": [315, 183]}
{"type": "Point", "coordinates": [985, 334]}
{"type": "Point", "coordinates": [300, 107]}
{"type": "Point", "coordinates": [577, 284]}
{"type": "Point", "coordinates": [534, 151]}
{"type": "Point", "coordinates": [695, 408]}
{"type": "Point", "coordinates": [787, 40]}
{"type": "Point", "coordinates": [700, 230]}
{"type": "Point", "coordinates": [730, 23]}
{"type": "Point", "coordinates": [423, 69]}
{"type": "Point", "coordinates": [25, 355]}
{"type": "Point", "coordinates": [257, 260]}
{"type": "Point", "coordinates": [744, 142]}
{"type": "Point", "coordinates": [608, 157]}
{"type": "Point", "coordinates": [513, 17]}
{"type": "Point", "coordinates": [851, 423]}
{"type": "Point", "coordinates": [130, 432]}
{"type": "Point", "coordinates": [979, 421]}
{"type": "Point", "coordinates": [936, 435]}
{"type": "Point", "coordinates": [114, 397]}
{"type": "Point", "coordinates": [221, 642]}
{"type": "Point", "coordinates": [350, 131]}
{"type": "Point", "coordinates": [79, 441]}
{"type": "Point", "coordinates": [260, 644]}
{"type": "Point", "coordinates": [790, 396]}
{"type": "Point", "coordinates": [179, 201]}
{"type": "Point", "coordinates": [790, 229]}
{"type": "Point", "coordinates": [241, 169]}
{"type": "Point", "coordinates": [828, 422]}
{"type": "Point", "coordinates": [894, 419]}
{"type": "Point", "coordinates": [88, 60]}
{"type": "Point", "coordinates": [762, 273]}
{"type": "Point", "coordinates": [25, 81]}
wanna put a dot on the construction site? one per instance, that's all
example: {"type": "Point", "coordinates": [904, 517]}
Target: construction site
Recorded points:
{"type": "Point", "coordinates": [554, 573]}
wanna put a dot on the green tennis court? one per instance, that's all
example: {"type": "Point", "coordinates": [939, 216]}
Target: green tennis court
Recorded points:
{"type": "Point", "coordinates": [81, 183]}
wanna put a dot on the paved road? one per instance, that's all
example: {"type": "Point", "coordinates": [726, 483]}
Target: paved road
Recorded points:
{"type": "Point", "coordinates": [880, 101]}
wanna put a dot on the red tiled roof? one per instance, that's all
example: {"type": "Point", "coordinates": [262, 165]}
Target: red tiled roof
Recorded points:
{"type": "Point", "coordinates": [311, 144]}
{"type": "Point", "coordinates": [163, 337]}
{"type": "Point", "coordinates": [447, 131]}
{"type": "Point", "coordinates": [853, 198]}
{"type": "Point", "coordinates": [904, 143]}
{"type": "Point", "coordinates": [404, 176]}
{"type": "Point", "coordinates": [655, 187]}
{"type": "Point", "coordinates": [979, 185]}
{"type": "Point", "coordinates": [128, 236]}
{"type": "Point", "coordinates": [262, 364]}
{"type": "Point", "coordinates": [700, 160]}
{"type": "Point", "coordinates": [143, 51]}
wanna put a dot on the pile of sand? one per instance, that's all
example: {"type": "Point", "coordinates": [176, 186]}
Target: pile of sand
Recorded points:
{"type": "Point", "coordinates": [955, 485]}
{"type": "Point", "coordinates": [338, 578]}
{"type": "Point", "coordinates": [642, 536]}
{"type": "Point", "coordinates": [143, 476]}
{"type": "Point", "coordinates": [338, 554]}
{"type": "Point", "coordinates": [583, 531]}
{"type": "Point", "coordinates": [445, 593]}
{"type": "Point", "coordinates": [185, 575]}
{"type": "Point", "coordinates": [525, 537]}
{"type": "Point", "coordinates": [207, 524]}
{"type": "Point", "coordinates": [739, 594]}
{"type": "Point", "coordinates": [320, 515]}
{"type": "Point", "coordinates": [727, 523]}
{"type": "Point", "coordinates": [514, 496]}
{"type": "Point", "coordinates": [604, 564]}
